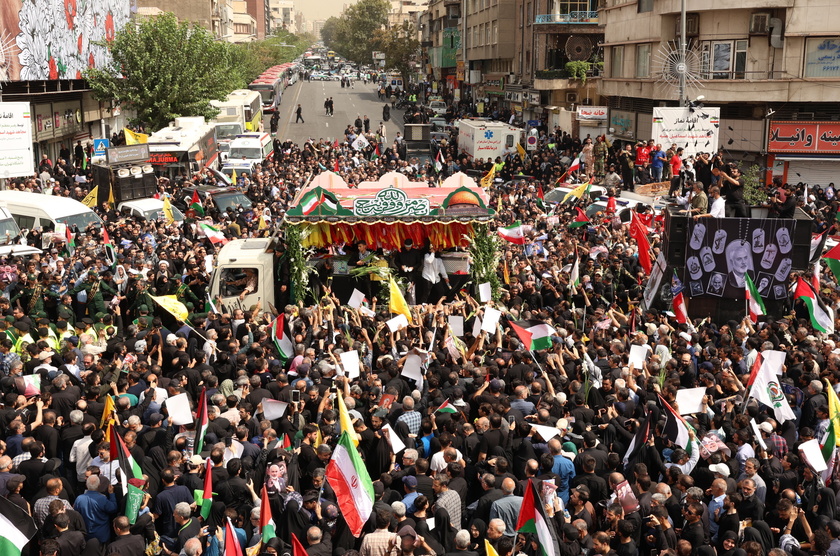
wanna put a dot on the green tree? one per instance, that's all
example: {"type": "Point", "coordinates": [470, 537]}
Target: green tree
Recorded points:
{"type": "Point", "coordinates": [400, 46]}
{"type": "Point", "coordinates": [163, 69]}
{"type": "Point", "coordinates": [353, 35]}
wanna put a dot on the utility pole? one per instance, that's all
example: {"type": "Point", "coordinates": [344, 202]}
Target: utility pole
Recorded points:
{"type": "Point", "coordinates": [682, 65]}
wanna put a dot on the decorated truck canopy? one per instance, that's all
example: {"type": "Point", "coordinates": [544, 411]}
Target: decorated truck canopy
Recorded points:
{"type": "Point", "coordinates": [386, 212]}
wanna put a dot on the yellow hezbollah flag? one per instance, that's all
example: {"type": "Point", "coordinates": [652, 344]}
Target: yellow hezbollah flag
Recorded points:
{"type": "Point", "coordinates": [520, 150]}
{"type": "Point", "coordinates": [171, 304]}
{"type": "Point", "coordinates": [487, 180]}
{"type": "Point", "coordinates": [167, 211]}
{"type": "Point", "coordinates": [397, 302]}
{"type": "Point", "coordinates": [133, 138]}
{"type": "Point", "coordinates": [833, 412]}
{"type": "Point", "coordinates": [488, 548]}
{"type": "Point", "coordinates": [344, 419]}
{"type": "Point", "coordinates": [111, 200]}
{"type": "Point", "coordinates": [108, 416]}
{"type": "Point", "coordinates": [90, 200]}
{"type": "Point", "coordinates": [577, 192]}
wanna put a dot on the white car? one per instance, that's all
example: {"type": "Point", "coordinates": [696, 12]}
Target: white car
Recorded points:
{"type": "Point", "coordinates": [438, 107]}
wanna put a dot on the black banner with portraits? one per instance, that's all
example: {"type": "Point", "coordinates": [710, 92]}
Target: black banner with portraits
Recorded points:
{"type": "Point", "coordinates": [720, 251]}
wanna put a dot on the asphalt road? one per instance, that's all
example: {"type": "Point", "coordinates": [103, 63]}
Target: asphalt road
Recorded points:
{"type": "Point", "coordinates": [348, 103]}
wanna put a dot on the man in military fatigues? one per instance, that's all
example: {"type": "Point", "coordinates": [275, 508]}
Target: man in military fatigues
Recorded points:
{"type": "Point", "coordinates": [31, 296]}
{"type": "Point", "coordinates": [94, 288]}
{"type": "Point", "coordinates": [142, 297]}
{"type": "Point", "coordinates": [144, 316]}
{"type": "Point", "coordinates": [182, 292]}
{"type": "Point", "coordinates": [64, 310]}
{"type": "Point", "coordinates": [23, 340]}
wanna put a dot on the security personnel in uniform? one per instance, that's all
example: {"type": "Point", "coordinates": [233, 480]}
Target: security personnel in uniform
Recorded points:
{"type": "Point", "coordinates": [94, 288]}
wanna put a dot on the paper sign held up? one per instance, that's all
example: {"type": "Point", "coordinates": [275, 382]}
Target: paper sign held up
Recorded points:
{"type": "Point", "coordinates": [397, 323]}
{"type": "Point", "coordinates": [356, 299]}
{"type": "Point", "coordinates": [456, 322]}
{"type": "Point", "coordinates": [273, 409]}
{"type": "Point", "coordinates": [350, 362]}
{"type": "Point", "coordinates": [397, 445]}
{"type": "Point", "coordinates": [179, 410]}
{"type": "Point", "coordinates": [485, 292]}
{"type": "Point", "coordinates": [690, 400]}
{"type": "Point", "coordinates": [491, 319]}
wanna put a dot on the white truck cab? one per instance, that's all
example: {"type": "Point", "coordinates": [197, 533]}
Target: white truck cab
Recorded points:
{"type": "Point", "coordinates": [244, 275]}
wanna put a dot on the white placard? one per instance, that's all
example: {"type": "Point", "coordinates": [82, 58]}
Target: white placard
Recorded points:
{"type": "Point", "coordinates": [690, 400]}
{"type": "Point", "coordinates": [235, 450]}
{"type": "Point", "coordinates": [485, 292]}
{"type": "Point", "coordinates": [208, 264]}
{"type": "Point", "coordinates": [547, 433]}
{"type": "Point", "coordinates": [757, 434]}
{"type": "Point", "coordinates": [476, 327]}
{"type": "Point", "coordinates": [456, 323]}
{"type": "Point", "coordinates": [350, 362]}
{"type": "Point", "coordinates": [397, 323]}
{"type": "Point", "coordinates": [413, 367]}
{"type": "Point", "coordinates": [179, 410]}
{"type": "Point", "coordinates": [638, 356]}
{"type": "Point", "coordinates": [430, 523]}
{"type": "Point", "coordinates": [491, 319]}
{"type": "Point", "coordinates": [773, 359]}
{"type": "Point", "coordinates": [693, 129]}
{"type": "Point", "coordinates": [367, 312]}
{"type": "Point", "coordinates": [813, 455]}
{"type": "Point", "coordinates": [16, 158]}
{"type": "Point", "coordinates": [273, 409]}
{"type": "Point", "coordinates": [356, 299]}
{"type": "Point", "coordinates": [397, 445]}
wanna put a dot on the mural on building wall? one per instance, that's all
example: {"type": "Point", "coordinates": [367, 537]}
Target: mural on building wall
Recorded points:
{"type": "Point", "coordinates": [56, 39]}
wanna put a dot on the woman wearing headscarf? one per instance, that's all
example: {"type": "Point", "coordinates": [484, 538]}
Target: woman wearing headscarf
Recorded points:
{"type": "Point", "coordinates": [444, 530]}
{"type": "Point", "coordinates": [760, 533]}
{"type": "Point", "coordinates": [728, 544]}
{"type": "Point", "coordinates": [478, 532]}
{"type": "Point", "coordinates": [215, 527]}
{"type": "Point", "coordinates": [826, 503]}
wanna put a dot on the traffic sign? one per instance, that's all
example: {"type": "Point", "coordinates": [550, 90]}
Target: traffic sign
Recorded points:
{"type": "Point", "coordinates": [531, 142]}
{"type": "Point", "coordinates": [534, 123]}
{"type": "Point", "coordinates": [99, 146]}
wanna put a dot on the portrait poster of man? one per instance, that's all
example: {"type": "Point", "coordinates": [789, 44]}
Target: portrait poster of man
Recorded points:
{"type": "Point", "coordinates": [721, 251]}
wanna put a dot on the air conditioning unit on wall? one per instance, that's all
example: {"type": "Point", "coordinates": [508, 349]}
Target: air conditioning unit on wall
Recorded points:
{"type": "Point", "coordinates": [759, 24]}
{"type": "Point", "coordinates": [571, 98]}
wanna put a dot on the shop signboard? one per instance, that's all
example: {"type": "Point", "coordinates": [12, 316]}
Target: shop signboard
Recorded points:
{"type": "Point", "coordinates": [804, 137]}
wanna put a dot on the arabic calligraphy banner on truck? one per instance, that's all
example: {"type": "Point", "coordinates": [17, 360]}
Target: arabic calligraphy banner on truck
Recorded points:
{"type": "Point", "coordinates": [694, 129]}
{"type": "Point", "coordinates": [804, 137]}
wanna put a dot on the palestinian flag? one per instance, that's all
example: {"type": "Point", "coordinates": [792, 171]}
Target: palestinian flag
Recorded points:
{"type": "Point", "coordinates": [580, 219]}
{"type": "Point", "coordinates": [70, 242]}
{"type": "Point", "coordinates": [376, 153]}
{"type": "Point", "coordinates": [817, 246]}
{"type": "Point", "coordinates": [297, 547]}
{"type": "Point", "coordinates": [540, 197]}
{"type": "Point", "coordinates": [282, 336]}
{"type": "Point", "coordinates": [574, 274]}
{"type": "Point", "coordinates": [232, 546]}
{"type": "Point", "coordinates": [287, 443]}
{"type": "Point", "coordinates": [351, 482]}
{"type": "Point", "coordinates": [680, 310]}
{"type": "Point", "coordinates": [446, 407]}
{"type": "Point", "coordinates": [110, 252]}
{"type": "Point", "coordinates": [675, 429]}
{"type": "Point", "coordinates": [129, 469]}
{"type": "Point", "coordinates": [29, 385]}
{"type": "Point", "coordinates": [269, 531]}
{"type": "Point", "coordinates": [17, 528]}
{"type": "Point", "coordinates": [754, 301]}
{"type": "Point", "coordinates": [438, 161]}
{"type": "Point", "coordinates": [532, 519]}
{"type": "Point", "coordinates": [832, 434]}
{"type": "Point", "coordinates": [832, 261]}
{"type": "Point", "coordinates": [821, 318]}
{"type": "Point", "coordinates": [201, 421]}
{"type": "Point", "coordinates": [514, 234]}
{"type": "Point", "coordinates": [535, 334]}
{"type": "Point", "coordinates": [214, 234]}
{"type": "Point", "coordinates": [207, 493]}
{"type": "Point", "coordinates": [195, 203]}
{"type": "Point", "coordinates": [639, 440]}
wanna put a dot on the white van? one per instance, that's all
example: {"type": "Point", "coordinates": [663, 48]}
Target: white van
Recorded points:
{"type": "Point", "coordinates": [35, 210]}
{"type": "Point", "coordinates": [8, 232]}
{"type": "Point", "coordinates": [148, 209]}
{"type": "Point", "coordinates": [250, 148]}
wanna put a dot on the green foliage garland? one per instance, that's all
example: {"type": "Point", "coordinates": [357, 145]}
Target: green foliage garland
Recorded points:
{"type": "Point", "coordinates": [485, 254]}
{"type": "Point", "coordinates": [299, 268]}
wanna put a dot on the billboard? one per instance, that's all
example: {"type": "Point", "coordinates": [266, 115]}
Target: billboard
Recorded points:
{"type": "Point", "coordinates": [721, 251]}
{"type": "Point", "coordinates": [696, 130]}
{"type": "Point", "coordinates": [804, 137]}
{"type": "Point", "coordinates": [16, 158]}
{"type": "Point", "coordinates": [51, 39]}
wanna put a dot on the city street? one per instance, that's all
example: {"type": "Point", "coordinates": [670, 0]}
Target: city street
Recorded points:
{"type": "Point", "coordinates": [348, 103]}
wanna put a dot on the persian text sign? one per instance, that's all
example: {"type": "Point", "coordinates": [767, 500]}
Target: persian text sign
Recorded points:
{"type": "Point", "coordinates": [804, 137]}
{"type": "Point", "coordinates": [592, 112]}
{"type": "Point", "coordinates": [694, 130]}
{"type": "Point", "coordinates": [16, 158]}
{"type": "Point", "coordinates": [391, 202]}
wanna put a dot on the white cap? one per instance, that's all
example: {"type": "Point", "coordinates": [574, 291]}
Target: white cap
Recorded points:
{"type": "Point", "coordinates": [766, 427]}
{"type": "Point", "coordinates": [719, 469]}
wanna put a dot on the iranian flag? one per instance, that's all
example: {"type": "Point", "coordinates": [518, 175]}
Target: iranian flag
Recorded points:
{"type": "Point", "coordinates": [17, 528]}
{"type": "Point", "coordinates": [351, 482]}
{"type": "Point", "coordinates": [282, 337]}
{"type": "Point", "coordinates": [447, 407]}
{"type": "Point", "coordinates": [310, 203]}
{"type": "Point", "coordinates": [754, 301]}
{"type": "Point", "coordinates": [680, 310]}
{"type": "Point", "coordinates": [214, 234]}
{"type": "Point", "coordinates": [535, 334]}
{"type": "Point", "coordinates": [269, 531]}
{"type": "Point", "coordinates": [532, 519]}
{"type": "Point", "coordinates": [514, 234]}
{"type": "Point", "coordinates": [110, 252]}
{"type": "Point", "coordinates": [195, 203]}
{"type": "Point", "coordinates": [129, 468]}
{"type": "Point", "coordinates": [821, 318]}
{"type": "Point", "coordinates": [580, 219]}
{"type": "Point", "coordinates": [201, 421]}
{"type": "Point", "coordinates": [207, 493]}
{"type": "Point", "coordinates": [832, 261]}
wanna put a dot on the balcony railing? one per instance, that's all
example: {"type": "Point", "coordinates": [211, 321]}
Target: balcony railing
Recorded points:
{"type": "Point", "coordinates": [571, 17]}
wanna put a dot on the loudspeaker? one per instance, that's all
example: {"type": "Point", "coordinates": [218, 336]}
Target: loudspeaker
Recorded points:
{"type": "Point", "coordinates": [676, 237]}
{"type": "Point", "coordinates": [801, 253]}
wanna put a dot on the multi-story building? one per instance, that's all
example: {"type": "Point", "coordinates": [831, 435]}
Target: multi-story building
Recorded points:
{"type": "Point", "coordinates": [261, 12]}
{"type": "Point", "coordinates": [214, 15]}
{"type": "Point", "coordinates": [440, 41]}
{"type": "Point", "coordinates": [222, 19]}
{"type": "Point", "coordinates": [764, 63]}
{"type": "Point", "coordinates": [488, 48]}
{"type": "Point", "coordinates": [403, 11]}
{"type": "Point", "coordinates": [557, 60]}
{"type": "Point", "coordinates": [301, 23]}
{"type": "Point", "coordinates": [283, 15]}
{"type": "Point", "coordinates": [317, 25]}
{"type": "Point", "coordinates": [244, 24]}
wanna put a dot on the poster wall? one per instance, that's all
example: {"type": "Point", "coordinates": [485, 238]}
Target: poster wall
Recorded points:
{"type": "Point", "coordinates": [696, 130]}
{"type": "Point", "coordinates": [16, 158]}
{"type": "Point", "coordinates": [721, 251]}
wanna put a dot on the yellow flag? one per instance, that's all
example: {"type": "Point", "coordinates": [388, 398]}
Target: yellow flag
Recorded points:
{"type": "Point", "coordinates": [520, 150]}
{"type": "Point", "coordinates": [577, 192]}
{"type": "Point", "coordinates": [108, 417]}
{"type": "Point", "coordinates": [133, 138]}
{"type": "Point", "coordinates": [90, 200]}
{"type": "Point", "coordinates": [111, 197]}
{"type": "Point", "coordinates": [506, 273]}
{"type": "Point", "coordinates": [233, 177]}
{"type": "Point", "coordinates": [488, 548]}
{"type": "Point", "coordinates": [344, 419]}
{"type": "Point", "coordinates": [262, 223]}
{"type": "Point", "coordinates": [167, 211]}
{"type": "Point", "coordinates": [487, 180]}
{"type": "Point", "coordinates": [833, 411]}
{"type": "Point", "coordinates": [319, 439]}
{"type": "Point", "coordinates": [171, 304]}
{"type": "Point", "coordinates": [397, 303]}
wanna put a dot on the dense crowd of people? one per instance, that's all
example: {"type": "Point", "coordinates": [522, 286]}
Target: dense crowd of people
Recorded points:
{"type": "Point", "coordinates": [566, 417]}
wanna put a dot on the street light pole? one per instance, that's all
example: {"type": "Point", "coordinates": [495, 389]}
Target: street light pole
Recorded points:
{"type": "Point", "coordinates": [682, 65]}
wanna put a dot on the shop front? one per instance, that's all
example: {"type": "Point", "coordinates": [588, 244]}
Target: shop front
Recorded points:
{"type": "Point", "coordinates": [804, 152]}
{"type": "Point", "coordinates": [56, 125]}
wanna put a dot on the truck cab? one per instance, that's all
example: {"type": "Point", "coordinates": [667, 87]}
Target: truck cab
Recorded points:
{"type": "Point", "coordinates": [244, 275]}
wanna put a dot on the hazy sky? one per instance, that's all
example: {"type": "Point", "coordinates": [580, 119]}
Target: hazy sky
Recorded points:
{"type": "Point", "coordinates": [320, 9]}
